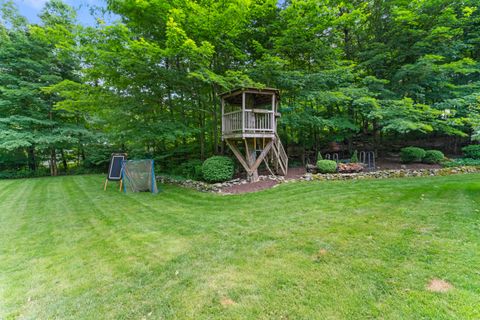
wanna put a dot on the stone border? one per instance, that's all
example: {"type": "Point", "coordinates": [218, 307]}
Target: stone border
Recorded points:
{"type": "Point", "coordinates": [215, 187]}
{"type": "Point", "coordinates": [386, 174]}
{"type": "Point", "coordinates": [381, 174]}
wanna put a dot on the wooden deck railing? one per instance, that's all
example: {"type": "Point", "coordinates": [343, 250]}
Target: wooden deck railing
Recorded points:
{"type": "Point", "coordinates": [251, 121]}
{"type": "Point", "coordinates": [232, 122]}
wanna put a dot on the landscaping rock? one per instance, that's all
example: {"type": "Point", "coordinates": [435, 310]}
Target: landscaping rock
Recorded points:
{"type": "Point", "coordinates": [215, 187]}
{"type": "Point", "coordinates": [311, 168]}
{"type": "Point", "coordinates": [379, 174]}
{"type": "Point", "coordinates": [385, 174]}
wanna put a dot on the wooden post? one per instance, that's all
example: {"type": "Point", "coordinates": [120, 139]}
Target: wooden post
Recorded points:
{"type": "Point", "coordinates": [251, 155]}
{"type": "Point", "coordinates": [243, 112]}
{"type": "Point", "coordinates": [274, 110]}
{"type": "Point", "coordinates": [239, 156]}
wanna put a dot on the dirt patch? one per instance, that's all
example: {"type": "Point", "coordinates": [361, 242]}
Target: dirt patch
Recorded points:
{"type": "Point", "coordinates": [321, 255]}
{"type": "Point", "coordinates": [293, 173]}
{"type": "Point", "coordinates": [438, 285]}
{"type": "Point", "coordinates": [322, 252]}
{"type": "Point", "coordinates": [226, 302]}
{"type": "Point", "coordinates": [393, 164]}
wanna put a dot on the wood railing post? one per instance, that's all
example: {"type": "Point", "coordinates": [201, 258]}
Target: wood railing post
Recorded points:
{"type": "Point", "coordinates": [243, 112]}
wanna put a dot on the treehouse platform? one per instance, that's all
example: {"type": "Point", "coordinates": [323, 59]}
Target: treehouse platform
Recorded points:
{"type": "Point", "coordinates": [249, 128]}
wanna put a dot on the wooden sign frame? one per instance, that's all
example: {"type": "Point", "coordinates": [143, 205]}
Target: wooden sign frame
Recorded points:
{"type": "Point", "coordinates": [116, 162]}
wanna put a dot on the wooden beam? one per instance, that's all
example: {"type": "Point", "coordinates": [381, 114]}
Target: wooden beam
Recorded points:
{"type": "Point", "coordinates": [278, 160]}
{"type": "Point", "coordinates": [239, 156]}
{"type": "Point", "coordinates": [261, 156]}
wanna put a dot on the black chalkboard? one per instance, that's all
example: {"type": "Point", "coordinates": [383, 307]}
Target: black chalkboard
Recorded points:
{"type": "Point", "coordinates": [115, 167]}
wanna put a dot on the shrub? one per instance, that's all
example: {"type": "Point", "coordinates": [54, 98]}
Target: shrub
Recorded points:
{"type": "Point", "coordinates": [326, 166]}
{"type": "Point", "coordinates": [354, 158]}
{"type": "Point", "coordinates": [24, 173]}
{"type": "Point", "coordinates": [472, 151]}
{"type": "Point", "coordinates": [462, 162]}
{"type": "Point", "coordinates": [191, 169]}
{"type": "Point", "coordinates": [433, 156]}
{"type": "Point", "coordinates": [412, 154]}
{"type": "Point", "coordinates": [218, 169]}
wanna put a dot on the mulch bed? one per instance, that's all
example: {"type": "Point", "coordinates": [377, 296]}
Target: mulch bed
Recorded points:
{"type": "Point", "coordinates": [296, 173]}
{"type": "Point", "coordinates": [293, 173]}
{"type": "Point", "coordinates": [387, 164]}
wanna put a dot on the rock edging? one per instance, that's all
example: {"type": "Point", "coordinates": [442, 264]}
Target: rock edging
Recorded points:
{"type": "Point", "coordinates": [381, 174]}
{"type": "Point", "coordinates": [386, 174]}
{"type": "Point", "coordinates": [213, 187]}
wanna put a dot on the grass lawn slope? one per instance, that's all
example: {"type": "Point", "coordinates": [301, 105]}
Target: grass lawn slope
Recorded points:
{"type": "Point", "coordinates": [391, 249]}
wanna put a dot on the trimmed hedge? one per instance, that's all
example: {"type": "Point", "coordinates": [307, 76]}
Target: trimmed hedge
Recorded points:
{"type": "Point", "coordinates": [217, 169]}
{"type": "Point", "coordinates": [433, 156]}
{"type": "Point", "coordinates": [412, 154]}
{"type": "Point", "coordinates": [327, 166]}
{"type": "Point", "coordinates": [472, 151]}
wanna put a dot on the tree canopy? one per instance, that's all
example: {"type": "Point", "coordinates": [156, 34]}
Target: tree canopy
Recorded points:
{"type": "Point", "coordinates": [373, 73]}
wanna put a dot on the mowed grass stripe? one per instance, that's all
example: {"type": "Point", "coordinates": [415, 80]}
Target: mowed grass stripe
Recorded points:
{"type": "Point", "coordinates": [179, 254]}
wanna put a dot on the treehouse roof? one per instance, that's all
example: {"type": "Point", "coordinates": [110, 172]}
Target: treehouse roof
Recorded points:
{"type": "Point", "coordinates": [262, 95]}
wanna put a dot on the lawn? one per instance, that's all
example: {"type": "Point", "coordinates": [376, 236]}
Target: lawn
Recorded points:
{"type": "Point", "coordinates": [312, 250]}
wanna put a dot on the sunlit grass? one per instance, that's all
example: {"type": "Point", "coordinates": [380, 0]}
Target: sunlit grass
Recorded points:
{"type": "Point", "coordinates": [326, 250]}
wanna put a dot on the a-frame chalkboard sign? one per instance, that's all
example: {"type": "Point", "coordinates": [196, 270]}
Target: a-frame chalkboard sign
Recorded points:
{"type": "Point", "coordinates": [115, 168]}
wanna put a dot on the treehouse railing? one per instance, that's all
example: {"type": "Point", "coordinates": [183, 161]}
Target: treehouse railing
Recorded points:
{"type": "Point", "coordinates": [251, 121]}
{"type": "Point", "coordinates": [232, 122]}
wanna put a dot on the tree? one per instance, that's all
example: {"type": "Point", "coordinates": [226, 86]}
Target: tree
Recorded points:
{"type": "Point", "coordinates": [29, 61]}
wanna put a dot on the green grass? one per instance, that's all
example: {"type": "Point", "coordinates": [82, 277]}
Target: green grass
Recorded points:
{"type": "Point", "coordinates": [68, 250]}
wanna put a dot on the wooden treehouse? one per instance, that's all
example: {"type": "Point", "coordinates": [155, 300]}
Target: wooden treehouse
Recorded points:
{"type": "Point", "coordinates": [249, 123]}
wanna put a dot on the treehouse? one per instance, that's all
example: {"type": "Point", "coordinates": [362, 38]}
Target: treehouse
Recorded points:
{"type": "Point", "coordinates": [249, 123]}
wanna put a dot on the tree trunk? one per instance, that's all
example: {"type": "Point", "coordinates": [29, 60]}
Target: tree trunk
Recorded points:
{"type": "Point", "coordinates": [64, 161]}
{"type": "Point", "coordinates": [215, 121]}
{"type": "Point", "coordinates": [32, 161]}
{"type": "Point", "coordinates": [53, 162]}
{"type": "Point", "coordinates": [201, 133]}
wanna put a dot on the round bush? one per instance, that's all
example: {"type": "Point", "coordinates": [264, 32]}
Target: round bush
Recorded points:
{"type": "Point", "coordinates": [472, 151]}
{"type": "Point", "coordinates": [326, 166]}
{"type": "Point", "coordinates": [433, 156]}
{"type": "Point", "coordinates": [217, 169]}
{"type": "Point", "coordinates": [412, 154]}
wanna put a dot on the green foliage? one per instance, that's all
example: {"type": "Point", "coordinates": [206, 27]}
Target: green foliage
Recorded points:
{"type": "Point", "coordinates": [24, 173]}
{"type": "Point", "coordinates": [148, 84]}
{"type": "Point", "coordinates": [462, 162]}
{"type": "Point", "coordinates": [31, 59]}
{"type": "Point", "coordinates": [191, 169]}
{"type": "Point", "coordinates": [354, 158]}
{"type": "Point", "coordinates": [327, 166]}
{"type": "Point", "coordinates": [218, 169]}
{"type": "Point", "coordinates": [472, 151]}
{"type": "Point", "coordinates": [412, 154]}
{"type": "Point", "coordinates": [433, 156]}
